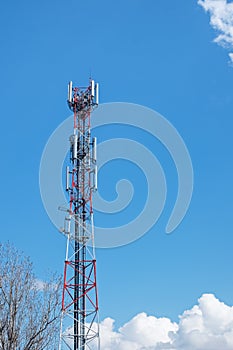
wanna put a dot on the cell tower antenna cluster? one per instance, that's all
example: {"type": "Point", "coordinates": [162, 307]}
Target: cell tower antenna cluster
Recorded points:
{"type": "Point", "coordinates": [80, 319]}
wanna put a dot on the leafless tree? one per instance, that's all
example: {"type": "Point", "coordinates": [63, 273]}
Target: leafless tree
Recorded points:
{"type": "Point", "coordinates": [29, 310]}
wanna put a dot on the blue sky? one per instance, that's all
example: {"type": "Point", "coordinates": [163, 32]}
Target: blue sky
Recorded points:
{"type": "Point", "coordinates": [159, 54]}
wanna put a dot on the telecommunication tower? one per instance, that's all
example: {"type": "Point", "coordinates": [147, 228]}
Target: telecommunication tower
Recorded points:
{"type": "Point", "coordinates": [79, 320]}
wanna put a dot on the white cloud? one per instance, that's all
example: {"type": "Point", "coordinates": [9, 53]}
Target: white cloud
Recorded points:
{"type": "Point", "coordinates": [231, 57]}
{"type": "Point", "coordinates": [42, 285]}
{"type": "Point", "coordinates": [208, 325]}
{"type": "Point", "coordinates": [142, 332]}
{"type": "Point", "coordinates": [39, 284]}
{"type": "Point", "coordinates": [221, 19]}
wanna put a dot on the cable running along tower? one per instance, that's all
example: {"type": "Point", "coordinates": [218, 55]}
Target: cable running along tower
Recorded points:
{"type": "Point", "coordinates": [79, 321]}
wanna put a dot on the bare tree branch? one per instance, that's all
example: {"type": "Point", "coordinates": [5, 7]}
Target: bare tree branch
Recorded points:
{"type": "Point", "coordinates": [29, 316]}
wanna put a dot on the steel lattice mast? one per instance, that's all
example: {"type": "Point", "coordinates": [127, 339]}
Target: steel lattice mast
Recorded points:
{"type": "Point", "coordinates": [79, 321]}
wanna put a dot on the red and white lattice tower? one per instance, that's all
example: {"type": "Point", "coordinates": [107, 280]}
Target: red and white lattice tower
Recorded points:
{"type": "Point", "coordinates": [79, 321]}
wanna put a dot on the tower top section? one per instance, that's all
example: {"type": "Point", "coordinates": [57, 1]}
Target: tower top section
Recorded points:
{"type": "Point", "coordinates": [83, 98]}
